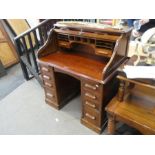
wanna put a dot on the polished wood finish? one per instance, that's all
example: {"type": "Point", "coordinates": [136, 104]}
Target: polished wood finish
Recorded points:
{"type": "Point", "coordinates": [135, 107]}
{"type": "Point", "coordinates": [68, 62]}
{"type": "Point", "coordinates": [72, 60]}
{"type": "Point", "coordinates": [8, 53]}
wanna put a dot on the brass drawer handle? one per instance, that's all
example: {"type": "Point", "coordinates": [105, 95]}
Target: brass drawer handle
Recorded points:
{"type": "Point", "coordinates": [45, 69]}
{"type": "Point", "coordinates": [90, 116]}
{"type": "Point", "coordinates": [63, 44]}
{"type": "Point", "coordinates": [48, 84]}
{"type": "Point", "coordinates": [90, 104]}
{"type": "Point", "coordinates": [50, 95]}
{"type": "Point", "coordinates": [90, 86]}
{"type": "Point", "coordinates": [103, 52]}
{"type": "Point", "coordinates": [91, 96]}
{"type": "Point", "coordinates": [46, 77]}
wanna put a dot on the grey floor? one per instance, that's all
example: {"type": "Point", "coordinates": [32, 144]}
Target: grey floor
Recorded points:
{"type": "Point", "coordinates": [24, 111]}
{"type": "Point", "coordinates": [11, 80]}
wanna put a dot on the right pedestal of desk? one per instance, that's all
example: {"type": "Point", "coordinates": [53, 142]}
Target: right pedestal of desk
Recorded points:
{"type": "Point", "coordinates": [134, 105]}
{"type": "Point", "coordinates": [95, 97]}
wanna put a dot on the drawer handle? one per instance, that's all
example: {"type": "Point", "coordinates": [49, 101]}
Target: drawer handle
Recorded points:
{"type": "Point", "coordinates": [91, 96]}
{"type": "Point", "coordinates": [48, 84]}
{"type": "Point", "coordinates": [50, 95]}
{"type": "Point", "coordinates": [90, 86]}
{"type": "Point", "coordinates": [46, 77]}
{"type": "Point", "coordinates": [45, 69]}
{"type": "Point", "coordinates": [63, 44]}
{"type": "Point", "coordinates": [90, 116]}
{"type": "Point", "coordinates": [90, 104]}
{"type": "Point", "coordinates": [103, 52]}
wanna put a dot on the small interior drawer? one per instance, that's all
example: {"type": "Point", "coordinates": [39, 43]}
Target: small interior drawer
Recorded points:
{"type": "Point", "coordinates": [64, 44]}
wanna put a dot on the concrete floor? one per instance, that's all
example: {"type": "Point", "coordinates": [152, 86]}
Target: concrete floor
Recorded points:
{"type": "Point", "coordinates": [24, 111]}
{"type": "Point", "coordinates": [11, 80]}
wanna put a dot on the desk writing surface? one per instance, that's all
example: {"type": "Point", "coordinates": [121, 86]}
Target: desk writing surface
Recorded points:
{"type": "Point", "coordinates": [76, 64]}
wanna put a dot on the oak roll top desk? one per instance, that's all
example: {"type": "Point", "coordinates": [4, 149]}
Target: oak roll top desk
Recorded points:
{"type": "Point", "coordinates": [83, 57]}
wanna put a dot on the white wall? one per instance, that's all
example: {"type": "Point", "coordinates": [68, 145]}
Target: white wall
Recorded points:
{"type": "Point", "coordinates": [33, 22]}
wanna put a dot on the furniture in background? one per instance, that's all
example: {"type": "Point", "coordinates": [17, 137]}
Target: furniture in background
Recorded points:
{"type": "Point", "coordinates": [27, 45]}
{"type": "Point", "coordinates": [81, 57]}
{"type": "Point", "coordinates": [8, 55]}
{"type": "Point", "coordinates": [134, 105]}
{"type": "Point", "coordinates": [2, 69]}
{"type": "Point", "coordinates": [18, 26]}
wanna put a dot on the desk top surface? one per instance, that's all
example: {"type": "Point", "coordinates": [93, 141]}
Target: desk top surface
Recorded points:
{"type": "Point", "coordinates": [76, 64]}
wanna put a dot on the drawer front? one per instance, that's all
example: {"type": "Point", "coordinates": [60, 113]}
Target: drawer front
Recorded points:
{"type": "Point", "coordinates": [91, 96]}
{"type": "Point", "coordinates": [50, 94]}
{"type": "Point", "coordinates": [91, 86]}
{"type": "Point", "coordinates": [49, 84]}
{"type": "Point", "coordinates": [46, 70]}
{"type": "Point", "coordinates": [91, 104]}
{"type": "Point", "coordinates": [47, 77]}
{"type": "Point", "coordinates": [91, 115]}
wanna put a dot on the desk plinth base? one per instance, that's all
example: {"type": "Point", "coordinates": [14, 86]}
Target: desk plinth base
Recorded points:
{"type": "Point", "coordinates": [56, 106]}
{"type": "Point", "coordinates": [91, 126]}
{"type": "Point", "coordinates": [61, 104]}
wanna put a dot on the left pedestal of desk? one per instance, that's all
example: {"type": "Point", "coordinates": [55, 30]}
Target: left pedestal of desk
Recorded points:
{"type": "Point", "coordinates": [59, 88]}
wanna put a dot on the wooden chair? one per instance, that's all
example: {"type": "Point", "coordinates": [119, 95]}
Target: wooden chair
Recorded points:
{"type": "Point", "coordinates": [28, 41]}
{"type": "Point", "coordinates": [134, 105]}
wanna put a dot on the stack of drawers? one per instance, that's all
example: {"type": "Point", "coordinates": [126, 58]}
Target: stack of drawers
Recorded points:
{"type": "Point", "coordinates": [92, 100]}
{"type": "Point", "coordinates": [49, 85]}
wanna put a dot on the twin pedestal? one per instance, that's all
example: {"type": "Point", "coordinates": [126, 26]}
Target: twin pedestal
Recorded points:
{"type": "Point", "coordinates": [60, 88]}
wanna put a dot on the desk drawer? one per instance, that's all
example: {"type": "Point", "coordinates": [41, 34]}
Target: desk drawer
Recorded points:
{"type": "Point", "coordinates": [49, 84]}
{"type": "Point", "coordinates": [91, 96]}
{"type": "Point", "coordinates": [91, 115]}
{"type": "Point", "coordinates": [46, 70]}
{"type": "Point", "coordinates": [91, 104]}
{"type": "Point", "coordinates": [92, 86]}
{"type": "Point", "coordinates": [47, 77]}
{"type": "Point", "coordinates": [50, 94]}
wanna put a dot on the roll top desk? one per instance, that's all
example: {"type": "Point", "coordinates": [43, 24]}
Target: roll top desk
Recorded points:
{"type": "Point", "coordinates": [79, 57]}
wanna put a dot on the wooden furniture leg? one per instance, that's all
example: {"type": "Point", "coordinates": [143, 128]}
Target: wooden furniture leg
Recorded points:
{"type": "Point", "coordinates": [111, 125]}
{"type": "Point", "coordinates": [121, 90]}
